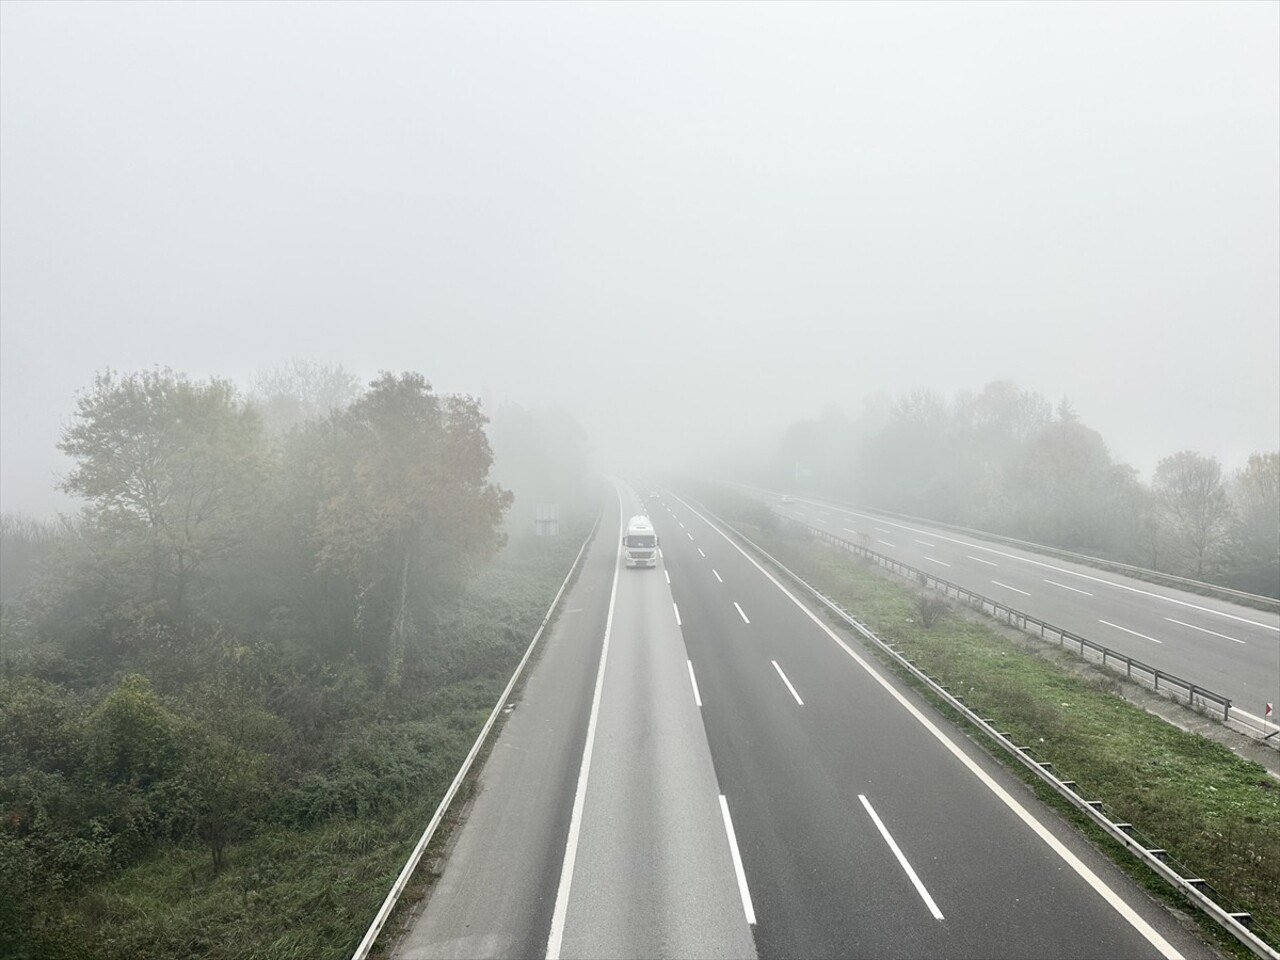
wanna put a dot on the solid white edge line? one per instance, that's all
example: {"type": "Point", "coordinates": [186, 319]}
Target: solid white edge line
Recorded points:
{"type": "Point", "coordinates": [740, 613]}
{"type": "Point", "coordinates": [1065, 587]}
{"type": "Point", "coordinates": [697, 697]}
{"type": "Point", "coordinates": [558, 914]}
{"type": "Point", "coordinates": [1127, 630]}
{"type": "Point", "coordinates": [1203, 630]}
{"type": "Point", "coordinates": [787, 682]}
{"type": "Point", "coordinates": [406, 872]}
{"type": "Point", "coordinates": [1082, 869]}
{"type": "Point", "coordinates": [677, 612]}
{"type": "Point", "coordinates": [1007, 587]}
{"type": "Point", "coordinates": [741, 874]}
{"type": "Point", "coordinates": [902, 858]}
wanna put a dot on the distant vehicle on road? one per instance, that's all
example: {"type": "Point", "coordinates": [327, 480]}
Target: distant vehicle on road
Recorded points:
{"type": "Point", "coordinates": [640, 543]}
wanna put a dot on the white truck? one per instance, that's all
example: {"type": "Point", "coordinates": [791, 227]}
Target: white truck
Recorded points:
{"type": "Point", "coordinates": [640, 543]}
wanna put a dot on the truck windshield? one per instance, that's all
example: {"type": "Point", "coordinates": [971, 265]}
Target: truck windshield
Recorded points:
{"type": "Point", "coordinates": [640, 540]}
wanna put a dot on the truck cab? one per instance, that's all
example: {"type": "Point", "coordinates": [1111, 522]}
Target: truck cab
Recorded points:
{"type": "Point", "coordinates": [640, 543]}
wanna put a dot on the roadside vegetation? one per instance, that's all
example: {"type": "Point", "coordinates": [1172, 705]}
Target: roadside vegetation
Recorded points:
{"type": "Point", "coordinates": [1009, 462]}
{"type": "Point", "coordinates": [235, 687]}
{"type": "Point", "coordinates": [1213, 811]}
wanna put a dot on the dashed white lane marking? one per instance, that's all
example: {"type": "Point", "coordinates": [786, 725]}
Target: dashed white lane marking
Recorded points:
{"type": "Point", "coordinates": [1007, 587]}
{"type": "Point", "coordinates": [677, 610]}
{"type": "Point", "coordinates": [1072, 589]}
{"type": "Point", "coordinates": [987, 562]}
{"type": "Point", "coordinates": [881, 530]}
{"type": "Point", "coordinates": [942, 562]}
{"type": "Point", "coordinates": [689, 535]}
{"type": "Point", "coordinates": [1127, 630]}
{"type": "Point", "coordinates": [1071, 573]}
{"type": "Point", "coordinates": [718, 577]}
{"type": "Point", "coordinates": [887, 543]}
{"type": "Point", "coordinates": [1203, 630]}
{"type": "Point", "coordinates": [747, 908]}
{"type": "Point", "coordinates": [848, 529]}
{"type": "Point", "coordinates": [787, 682]}
{"type": "Point", "coordinates": [697, 698]}
{"type": "Point", "coordinates": [924, 542]}
{"type": "Point", "coordinates": [667, 575]}
{"type": "Point", "coordinates": [701, 554]}
{"type": "Point", "coordinates": [902, 860]}
{"type": "Point", "coordinates": [740, 613]}
{"type": "Point", "coordinates": [1113, 899]}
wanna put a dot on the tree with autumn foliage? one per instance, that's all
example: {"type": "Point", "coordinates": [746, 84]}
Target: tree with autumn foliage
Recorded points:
{"type": "Point", "coordinates": [408, 508]}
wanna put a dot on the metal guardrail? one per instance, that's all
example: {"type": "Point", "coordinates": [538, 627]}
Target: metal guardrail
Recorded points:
{"type": "Point", "coordinates": [1195, 694]}
{"type": "Point", "coordinates": [1145, 574]}
{"type": "Point", "coordinates": [1195, 889]}
{"type": "Point", "coordinates": [406, 872]}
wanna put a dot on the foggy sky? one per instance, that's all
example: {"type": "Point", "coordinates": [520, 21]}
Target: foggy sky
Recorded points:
{"type": "Point", "coordinates": [687, 223]}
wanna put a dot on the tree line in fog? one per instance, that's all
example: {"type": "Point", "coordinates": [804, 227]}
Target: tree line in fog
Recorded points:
{"type": "Point", "coordinates": [1008, 461]}
{"type": "Point", "coordinates": [273, 611]}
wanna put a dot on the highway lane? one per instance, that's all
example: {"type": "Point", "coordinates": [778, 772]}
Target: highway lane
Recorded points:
{"type": "Point", "coordinates": [713, 707]}
{"type": "Point", "coordinates": [652, 873]}
{"type": "Point", "coordinates": [1230, 649]}
{"type": "Point", "coordinates": [497, 891]}
{"type": "Point", "coordinates": [822, 765]}
{"type": "Point", "coordinates": [633, 860]}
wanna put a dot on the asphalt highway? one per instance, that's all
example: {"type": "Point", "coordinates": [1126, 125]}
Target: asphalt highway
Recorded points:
{"type": "Point", "coordinates": [1225, 647]}
{"type": "Point", "coordinates": [698, 766]}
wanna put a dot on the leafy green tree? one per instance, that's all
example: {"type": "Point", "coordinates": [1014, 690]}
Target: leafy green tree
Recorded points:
{"type": "Point", "coordinates": [226, 764]}
{"type": "Point", "coordinates": [1255, 494]}
{"type": "Point", "coordinates": [1192, 495]}
{"type": "Point", "coordinates": [132, 736]}
{"type": "Point", "coordinates": [169, 468]}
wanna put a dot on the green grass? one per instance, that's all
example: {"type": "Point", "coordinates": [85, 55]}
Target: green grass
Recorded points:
{"type": "Point", "coordinates": [320, 861]}
{"type": "Point", "coordinates": [1212, 810]}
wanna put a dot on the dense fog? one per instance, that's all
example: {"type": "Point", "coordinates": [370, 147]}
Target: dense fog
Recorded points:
{"type": "Point", "coordinates": [684, 227]}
